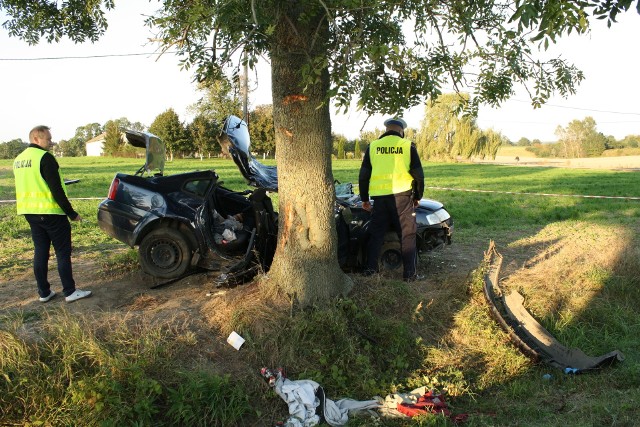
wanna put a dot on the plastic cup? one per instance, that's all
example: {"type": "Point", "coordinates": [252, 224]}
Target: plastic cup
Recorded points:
{"type": "Point", "coordinates": [235, 340]}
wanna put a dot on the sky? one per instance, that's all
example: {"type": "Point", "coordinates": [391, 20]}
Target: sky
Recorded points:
{"type": "Point", "coordinates": [86, 83]}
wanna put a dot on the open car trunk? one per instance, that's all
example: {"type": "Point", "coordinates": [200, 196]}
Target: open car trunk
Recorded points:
{"type": "Point", "coordinates": [154, 150]}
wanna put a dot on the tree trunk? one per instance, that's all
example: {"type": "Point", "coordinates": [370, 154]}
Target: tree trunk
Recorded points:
{"type": "Point", "coordinates": [305, 266]}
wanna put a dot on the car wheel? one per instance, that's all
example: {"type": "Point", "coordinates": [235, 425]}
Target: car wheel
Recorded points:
{"type": "Point", "coordinates": [165, 253]}
{"type": "Point", "coordinates": [390, 256]}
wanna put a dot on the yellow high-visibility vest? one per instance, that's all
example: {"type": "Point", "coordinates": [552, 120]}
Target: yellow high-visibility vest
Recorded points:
{"type": "Point", "coordinates": [390, 159]}
{"type": "Point", "coordinates": [33, 195]}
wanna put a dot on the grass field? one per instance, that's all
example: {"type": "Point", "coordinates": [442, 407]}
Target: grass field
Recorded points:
{"type": "Point", "coordinates": [575, 259]}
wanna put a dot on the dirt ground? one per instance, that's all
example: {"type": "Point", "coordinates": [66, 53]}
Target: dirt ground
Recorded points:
{"type": "Point", "coordinates": [137, 292]}
{"type": "Point", "coordinates": [190, 301]}
{"type": "Point", "coordinates": [195, 306]}
{"type": "Point", "coordinates": [626, 163]}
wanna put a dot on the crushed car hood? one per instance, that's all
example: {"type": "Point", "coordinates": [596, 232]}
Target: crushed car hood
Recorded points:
{"type": "Point", "coordinates": [235, 140]}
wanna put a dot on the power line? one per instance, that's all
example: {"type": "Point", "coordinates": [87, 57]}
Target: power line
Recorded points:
{"type": "Point", "coordinates": [54, 58]}
{"type": "Point", "coordinates": [579, 108]}
{"type": "Point", "coordinates": [535, 122]}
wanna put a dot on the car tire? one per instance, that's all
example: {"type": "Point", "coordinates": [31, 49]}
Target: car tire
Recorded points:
{"type": "Point", "coordinates": [390, 256]}
{"type": "Point", "coordinates": [165, 253]}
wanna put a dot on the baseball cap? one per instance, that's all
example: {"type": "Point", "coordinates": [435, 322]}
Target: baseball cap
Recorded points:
{"type": "Point", "coordinates": [396, 121]}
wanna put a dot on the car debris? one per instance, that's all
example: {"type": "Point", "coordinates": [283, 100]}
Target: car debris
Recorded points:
{"type": "Point", "coordinates": [525, 331]}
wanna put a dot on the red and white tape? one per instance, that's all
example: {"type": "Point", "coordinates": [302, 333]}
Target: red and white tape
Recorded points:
{"type": "Point", "coordinates": [536, 194]}
{"type": "Point", "coordinates": [469, 190]}
{"type": "Point", "coordinates": [75, 198]}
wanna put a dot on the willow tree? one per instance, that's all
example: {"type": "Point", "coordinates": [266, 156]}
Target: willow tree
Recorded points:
{"type": "Point", "coordinates": [492, 140]}
{"type": "Point", "coordinates": [438, 136]}
{"type": "Point", "coordinates": [387, 54]}
{"type": "Point", "coordinates": [447, 132]}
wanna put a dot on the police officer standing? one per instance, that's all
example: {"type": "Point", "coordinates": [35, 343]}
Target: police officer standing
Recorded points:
{"type": "Point", "coordinates": [391, 175]}
{"type": "Point", "coordinates": [41, 197]}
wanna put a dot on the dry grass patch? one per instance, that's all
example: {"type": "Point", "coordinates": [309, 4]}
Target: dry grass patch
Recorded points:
{"type": "Point", "coordinates": [567, 270]}
{"type": "Point", "coordinates": [144, 302]}
{"type": "Point", "coordinates": [245, 308]}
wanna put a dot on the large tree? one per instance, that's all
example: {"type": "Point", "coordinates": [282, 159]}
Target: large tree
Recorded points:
{"type": "Point", "coordinates": [491, 142]}
{"type": "Point", "coordinates": [388, 54]}
{"type": "Point", "coordinates": [338, 142]}
{"type": "Point", "coordinates": [113, 143]}
{"type": "Point", "coordinates": [124, 123]}
{"type": "Point", "coordinates": [168, 127]}
{"type": "Point", "coordinates": [581, 139]}
{"type": "Point", "coordinates": [203, 134]}
{"type": "Point", "coordinates": [88, 131]}
{"type": "Point", "coordinates": [632, 141]}
{"type": "Point", "coordinates": [74, 147]}
{"type": "Point", "coordinates": [523, 142]}
{"type": "Point", "coordinates": [261, 130]}
{"type": "Point", "coordinates": [357, 154]}
{"type": "Point", "coordinates": [218, 101]}
{"type": "Point", "coordinates": [446, 133]}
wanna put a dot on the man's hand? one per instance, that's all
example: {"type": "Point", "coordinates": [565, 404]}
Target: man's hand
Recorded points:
{"type": "Point", "coordinates": [416, 203]}
{"type": "Point", "coordinates": [78, 218]}
{"type": "Point", "coordinates": [366, 206]}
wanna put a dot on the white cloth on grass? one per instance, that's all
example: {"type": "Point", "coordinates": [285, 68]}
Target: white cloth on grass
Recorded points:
{"type": "Point", "coordinates": [301, 397]}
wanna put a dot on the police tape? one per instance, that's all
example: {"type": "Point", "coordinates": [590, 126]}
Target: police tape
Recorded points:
{"type": "Point", "coordinates": [75, 198]}
{"type": "Point", "coordinates": [516, 193]}
{"type": "Point", "coordinates": [469, 190]}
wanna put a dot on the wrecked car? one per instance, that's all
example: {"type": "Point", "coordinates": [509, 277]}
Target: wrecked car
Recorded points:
{"type": "Point", "coordinates": [191, 220]}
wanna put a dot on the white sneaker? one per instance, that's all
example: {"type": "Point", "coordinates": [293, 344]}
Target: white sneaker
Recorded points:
{"type": "Point", "coordinates": [48, 297]}
{"type": "Point", "coordinates": [78, 294]}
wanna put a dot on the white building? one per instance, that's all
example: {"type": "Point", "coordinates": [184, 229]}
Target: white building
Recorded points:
{"type": "Point", "coordinates": [95, 146]}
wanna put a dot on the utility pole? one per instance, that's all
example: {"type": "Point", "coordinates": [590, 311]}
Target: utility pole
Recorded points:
{"type": "Point", "coordinates": [245, 90]}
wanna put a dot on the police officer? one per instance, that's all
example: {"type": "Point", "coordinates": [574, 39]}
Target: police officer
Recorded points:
{"type": "Point", "coordinates": [391, 174]}
{"type": "Point", "coordinates": [41, 197]}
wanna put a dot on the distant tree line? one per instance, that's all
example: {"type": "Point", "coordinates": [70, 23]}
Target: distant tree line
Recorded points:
{"type": "Point", "coordinates": [10, 149]}
{"type": "Point", "coordinates": [195, 139]}
{"type": "Point", "coordinates": [580, 138]}
{"type": "Point", "coordinates": [447, 132]}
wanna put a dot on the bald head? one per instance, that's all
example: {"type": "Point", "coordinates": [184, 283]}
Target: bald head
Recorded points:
{"type": "Point", "coordinates": [41, 135]}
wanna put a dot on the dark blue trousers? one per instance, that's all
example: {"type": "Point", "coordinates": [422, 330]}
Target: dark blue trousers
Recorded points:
{"type": "Point", "coordinates": [395, 211]}
{"type": "Point", "coordinates": [45, 231]}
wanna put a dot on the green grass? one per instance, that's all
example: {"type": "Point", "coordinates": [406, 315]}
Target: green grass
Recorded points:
{"type": "Point", "coordinates": [575, 259]}
{"type": "Point", "coordinates": [112, 373]}
{"type": "Point", "coordinates": [476, 214]}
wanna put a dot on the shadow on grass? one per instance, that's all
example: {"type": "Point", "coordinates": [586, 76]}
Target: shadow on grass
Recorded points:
{"type": "Point", "coordinates": [390, 336]}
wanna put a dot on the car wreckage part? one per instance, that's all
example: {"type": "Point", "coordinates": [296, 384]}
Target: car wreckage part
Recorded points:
{"type": "Point", "coordinates": [525, 331]}
{"type": "Point", "coordinates": [391, 255]}
{"type": "Point", "coordinates": [165, 253]}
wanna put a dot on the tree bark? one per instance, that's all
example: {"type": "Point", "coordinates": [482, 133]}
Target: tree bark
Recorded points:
{"type": "Point", "coordinates": [305, 266]}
